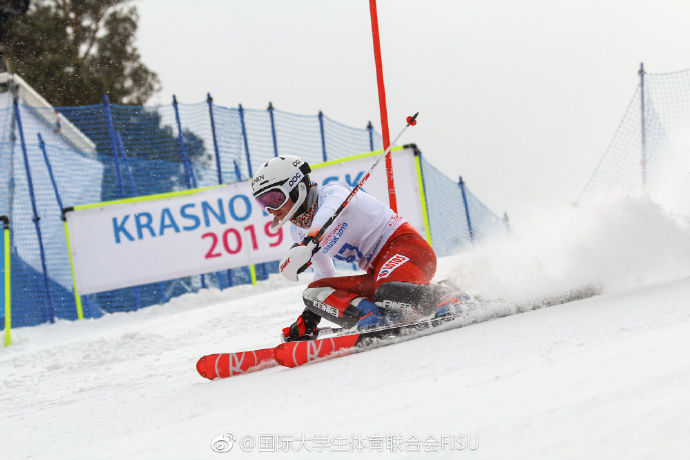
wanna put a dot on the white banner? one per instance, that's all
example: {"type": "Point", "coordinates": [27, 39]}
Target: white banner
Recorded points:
{"type": "Point", "coordinates": [148, 239]}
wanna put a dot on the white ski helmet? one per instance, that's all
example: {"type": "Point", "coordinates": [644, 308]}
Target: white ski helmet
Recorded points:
{"type": "Point", "coordinates": [280, 178]}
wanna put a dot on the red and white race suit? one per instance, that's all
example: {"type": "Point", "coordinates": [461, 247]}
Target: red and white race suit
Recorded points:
{"type": "Point", "coordinates": [370, 234]}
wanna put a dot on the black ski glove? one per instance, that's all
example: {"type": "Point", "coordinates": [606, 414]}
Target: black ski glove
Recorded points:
{"type": "Point", "coordinates": [302, 329]}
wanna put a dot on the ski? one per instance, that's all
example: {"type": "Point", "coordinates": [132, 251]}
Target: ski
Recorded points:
{"type": "Point", "coordinates": [292, 354]}
{"type": "Point", "coordinates": [334, 342]}
{"type": "Point", "coordinates": [224, 365]}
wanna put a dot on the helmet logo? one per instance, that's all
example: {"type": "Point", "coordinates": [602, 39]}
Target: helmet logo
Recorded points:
{"type": "Point", "coordinates": [296, 162]}
{"type": "Point", "coordinates": [296, 178]}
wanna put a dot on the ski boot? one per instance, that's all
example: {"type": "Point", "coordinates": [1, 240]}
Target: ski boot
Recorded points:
{"type": "Point", "coordinates": [373, 315]}
{"type": "Point", "coordinates": [416, 301]}
{"type": "Point", "coordinates": [452, 301]}
{"type": "Point", "coordinates": [346, 309]}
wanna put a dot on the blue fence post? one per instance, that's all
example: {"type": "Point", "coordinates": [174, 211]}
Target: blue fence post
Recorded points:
{"type": "Point", "coordinates": [246, 146]}
{"type": "Point", "coordinates": [125, 162]}
{"type": "Point", "coordinates": [323, 136]}
{"type": "Point", "coordinates": [36, 218]}
{"type": "Point", "coordinates": [133, 184]}
{"type": "Point", "coordinates": [42, 145]}
{"type": "Point", "coordinates": [49, 167]}
{"type": "Point", "coordinates": [370, 128]}
{"type": "Point", "coordinates": [246, 142]}
{"type": "Point", "coordinates": [186, 164]}
{"type": "Point", "coordinates": [209, 100]}
{"type": "Point", "coordinates": [264, 270]}
{"type": "Point", "coordinates": [238, 174]}
{"type": "Point", "coordinates": [219, 168]}
{"type": "Point", "coordinates": [467, 209]}
{"type": "Point", "coordinates": [273, 129]}
{"type": "Point", "coordinates": [113, 146]}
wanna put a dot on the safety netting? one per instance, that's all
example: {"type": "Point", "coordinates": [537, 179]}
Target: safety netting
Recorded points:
{"type": "Point", "coordinates": [55, 158]}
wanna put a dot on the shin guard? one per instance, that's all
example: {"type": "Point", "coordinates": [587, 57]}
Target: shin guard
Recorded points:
{"type": "Point", "coordinates": [339, 307]}
{"type": "Point", "coordinates": [410, 299]}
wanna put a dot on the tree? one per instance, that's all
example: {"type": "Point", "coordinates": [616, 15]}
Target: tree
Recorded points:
{"type": "Point", "coordinates": [9, 10]}
{"type": "Point", "coordinates": [74, 51]}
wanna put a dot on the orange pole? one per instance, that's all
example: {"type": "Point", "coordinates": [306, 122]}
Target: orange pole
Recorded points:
{"type": "Point", "coordinates": [382, 105]}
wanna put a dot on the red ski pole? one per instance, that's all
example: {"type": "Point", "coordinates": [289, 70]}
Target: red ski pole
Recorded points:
{"type": "Point", "coordinates": [411, 121]}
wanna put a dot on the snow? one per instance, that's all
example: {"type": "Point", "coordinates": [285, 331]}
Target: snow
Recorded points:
{"type": "Point", "coordinates": [603, 377]}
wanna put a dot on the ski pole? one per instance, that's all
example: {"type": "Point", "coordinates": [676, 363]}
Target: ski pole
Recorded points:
{"type": "Point", "coordinates": [411, 121]}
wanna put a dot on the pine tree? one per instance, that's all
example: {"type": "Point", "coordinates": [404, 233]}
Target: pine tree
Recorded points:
{"type": "Point", "coordinates": [74, 51]}
{"type": "Point", "coordinates": [9, 11]}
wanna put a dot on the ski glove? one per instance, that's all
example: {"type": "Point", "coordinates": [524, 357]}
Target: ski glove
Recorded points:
{"type": "Point", "coordinates": [298, 259]}
{"type": "Point", "coordinates": [302, 329]}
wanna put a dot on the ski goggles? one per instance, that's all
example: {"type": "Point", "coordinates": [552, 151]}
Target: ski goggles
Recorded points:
{"type": "Point", "coordinates": [275, 197]}
{"type": "Point", "coordinates": [272, 199]}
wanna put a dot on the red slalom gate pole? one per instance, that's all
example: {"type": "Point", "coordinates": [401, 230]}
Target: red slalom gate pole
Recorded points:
{"type": "Point", "coordinates": [392, 200]}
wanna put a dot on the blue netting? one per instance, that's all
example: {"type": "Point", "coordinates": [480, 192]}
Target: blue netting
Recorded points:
{"type": "Point", "coordinates": [342, 140]}
{"type": "Point", "coordinates": [82, 153]}
{"type": "Point", "coordinates": [450, 230]}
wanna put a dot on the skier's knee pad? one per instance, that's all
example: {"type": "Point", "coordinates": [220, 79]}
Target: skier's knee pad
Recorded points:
{"type": "Point", "coordinates": [335, 305]}
{"type": "Point", "coordinates": [408, 298]}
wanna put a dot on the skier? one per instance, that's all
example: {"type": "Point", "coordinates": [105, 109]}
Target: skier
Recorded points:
{"type": "Point", "coordinates": [398, 261]}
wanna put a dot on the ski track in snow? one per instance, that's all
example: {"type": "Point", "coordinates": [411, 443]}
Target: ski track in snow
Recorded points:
{"type": "Point", "coordinates": [604, 377]}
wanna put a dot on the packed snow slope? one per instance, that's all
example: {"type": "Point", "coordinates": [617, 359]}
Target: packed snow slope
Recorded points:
{"type": "Point", "coordinates": [604, 377]}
